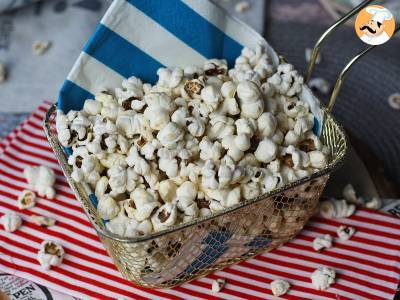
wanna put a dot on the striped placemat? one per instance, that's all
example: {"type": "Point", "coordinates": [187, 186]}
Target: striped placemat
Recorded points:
{"type": "Point", "coordinates": [367, 266]}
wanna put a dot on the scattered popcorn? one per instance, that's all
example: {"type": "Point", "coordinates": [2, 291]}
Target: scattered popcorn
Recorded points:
{"type": "Point", "coordinates": [218, 285]}
{"type": "Point", "coordinates": [323, 277]}
{"type": "Point", "coordinates": [350, 195]}
{"type": "Point", "coordinates": [26, 200]}
{"type": "Point", "coordinates": [50, 254]}
{"type": "Point", "coordinates": [3, 73]}
{"type": "Point", "coordinates": [200, 140]}
{"type": "Point", "coordinates": [308, 53]}
{"type": "Point", "coordinates": [11, 222]}
{"type": "Point", "coordinates": [374, 203]}
{"type": "Point", "coordinates": [242, 6]}
{"type": "Point", "coordinates": [40, 47]}
{"type": "Point", "coordinates": [321, 242]}
{"type": "Point", "coordinates": [394, 100]}
{"type": "Point", "coordinates": [279, 287]}
{"type": "Point", "coordinates": [41, 179]}
{"type": "Point", "coordinates": [319, 85]}
{"type": "Point", "coordinates": [336, 209]}
{"type": "Point", "coordinates": [345, 232]}
{"type": "Point", "coordinates": [42, 221]}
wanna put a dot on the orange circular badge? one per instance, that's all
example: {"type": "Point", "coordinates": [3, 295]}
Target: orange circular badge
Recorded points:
{"type": "Point", "coordinates": [374, 25]}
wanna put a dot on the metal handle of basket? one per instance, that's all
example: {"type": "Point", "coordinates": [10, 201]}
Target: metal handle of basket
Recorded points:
{"type": "Point", "coordinates": [343, 73]}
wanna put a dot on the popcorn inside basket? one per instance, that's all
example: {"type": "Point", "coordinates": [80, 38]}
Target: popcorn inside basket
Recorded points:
{"type": "Point", "coordinates": [175, 111]}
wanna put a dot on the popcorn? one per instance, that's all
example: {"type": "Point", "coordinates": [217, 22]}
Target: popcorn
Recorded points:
{"type": "Point", "coordinates": [394, 101]}
{"type": "Point", "coordinates": [266, 124]}
{"type": "Point", "coordinates": [214, 67]}
{"type": "Point", "coordinates": [92, 107]}
{"type": "Point", "coordinates": [217, 285]}
{"type": "Point", "coordinates": [170, 135]}
{"type": "Point", "coordinates": [11, 222]}
{"type": "Point", "coordinates": [192, 89]}
{"type": "Point", "coordinates": [321, 242]}
{"type": "Point", "coordinates": [51, 254]}
{"type": "Point", "coordinates": [286, 80]}
{"type": "Point", "coordinates": [345, 232]}
{"type": "Point", "coordinates": [139, 164]}
{"type": "Point", "coordinates": [169, 77]}
{"type": "Point", "coordinates": [279, 287]}
{"type": "Point", "coordinates": [251, 103]}
{"type": "Point", "coordinates": [164, 217]}
{"type": "Point", "coordinates": [323, 277]}
{"type": "Point", "coordinates": [211, 97]}
{"type": "Point", "coordinates": [201, 140]}
{"type": "Point", "coordinates": [319, 85]}
{"type": "Point", "coordinates": [374, 203]}
{"type": "Point", "coordinates": [41, 179]}
{"type": "Point", "coordinates": [107, 207]}
{"type": "Point", "coordinates": [350, 195]}
{"type": "Point", "coordinates": [40, 47]}
{"type": "Point", "coordinates": [26, 200]}
{"type": "Point", "coordinates": [42, 221]}
{"type": "Point", "coordinates": [145, 204]}
{"type": "Point", "coordinates": [336, 209]}
{"type": "Point", "coordinates": [318, 159]}
{"type": "Point", "coordinates": [266, 151]}
{"type": "Point", "coordinates": [242, 6]}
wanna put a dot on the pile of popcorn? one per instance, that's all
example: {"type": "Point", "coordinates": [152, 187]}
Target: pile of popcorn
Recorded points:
{"type": "Point", "coordinates": [200, 140]}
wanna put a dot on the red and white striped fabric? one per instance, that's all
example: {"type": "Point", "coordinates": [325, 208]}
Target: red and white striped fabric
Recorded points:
{"type": "Point", "coordinates": [367, 266]}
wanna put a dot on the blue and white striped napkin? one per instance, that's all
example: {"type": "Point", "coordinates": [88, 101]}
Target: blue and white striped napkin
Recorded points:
{"type": "Point", "coordinates": [136, 37]}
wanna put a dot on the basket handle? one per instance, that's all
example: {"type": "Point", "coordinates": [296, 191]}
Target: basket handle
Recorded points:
{"type": "Point", "coordinates": [327, 33]}
{"type": "Point", "coordinates": [343, 73]}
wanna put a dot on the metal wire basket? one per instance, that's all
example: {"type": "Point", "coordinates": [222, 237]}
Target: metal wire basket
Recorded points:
{"type": "Point", "coordinates": [197, 248]}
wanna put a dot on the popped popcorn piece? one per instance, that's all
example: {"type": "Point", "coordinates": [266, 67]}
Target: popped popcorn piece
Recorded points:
{"type": "Point", "coordinates": [145, 204]}
{"type": "Point", "coordinates": [318, 159]}
{"type": "Point", "coordinates": [217, 285]}
{"type": "Point", "coordinates": [164, 217]}
{"type": "Point", "coordinates": [345, 232]}
{"type": "Point", "coordinates": [107, 207]}
{"type": "Point", "coordinates": [26, 200]}
{"type": "Point", "coordinates": [321, 242]}
{"type": "Point", "coordinates": [251, 103]}
{"type": "Point", "coordinates": [349, 194]}
{"type": "Point", "coordinates": [242, 6]}
{"type": "Point", "coordinates": [394, 100]}
{"type": "Point", "coordinates": [374, 203]}
{"type": "Point", "coordinates": [3, 73]}
{"type": "Point", "coordinates": [41, 179]}
{"type": "Point", "coordinates": [50, 254]}
{"type": "Point", "coordinates": [279, 287]}
{"type": "Point", "coordinates": [323, 277]}
{"type": "Point", "coordinates": [266, 151]}
{"type": "Point", "coordinates": [170, 135]}
{"type": "Point", "coordinates": [319, 85]}
{"type": "Point", "coordinates": [42, 221]}
{"type": "Point", "coordinates": [286, 80]}
{"type": "Point", "coordinates": [308, 53]}
{"type": "Point", "coordinates": [40, 47]}
{"type": "Point", "coordinates": [11, 222]}
{"type": "Point", "coordinates": [266, 124]}
{"type": "Point", "coordinates": [167, 190]}
{"type": "Point", "coordinates": [336, 209]}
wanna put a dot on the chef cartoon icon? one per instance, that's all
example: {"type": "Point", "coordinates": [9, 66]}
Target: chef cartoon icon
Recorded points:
{"type": "Point", "coordinates": [375, 25]}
